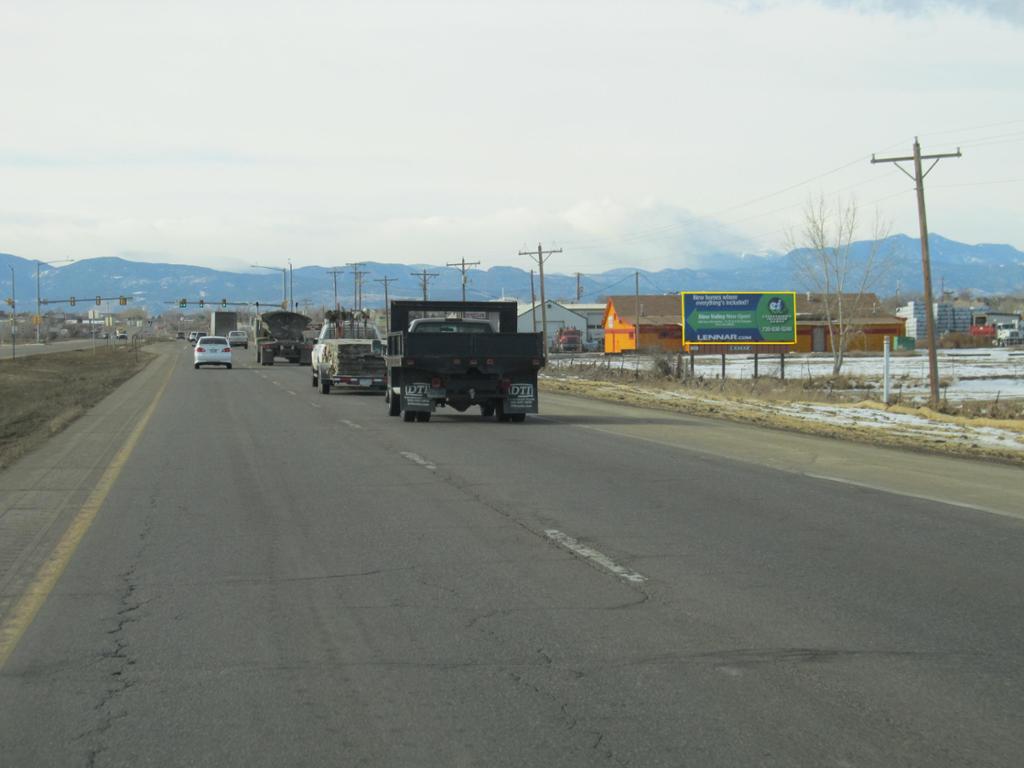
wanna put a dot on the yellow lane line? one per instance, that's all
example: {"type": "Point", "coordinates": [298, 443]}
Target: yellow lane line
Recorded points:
{"type": "Point", "coordinates": [46, 579]}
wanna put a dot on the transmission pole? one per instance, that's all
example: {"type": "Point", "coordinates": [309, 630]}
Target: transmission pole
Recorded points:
{"type": "Point", "coordinates": [918, 177]}
{"type": "Point", "coordinates": [579, 286]}
{"type": "Point", "coordinates": [463, 268]}
{"type": "Point", "coordinates": [334, 273]}
{"type": "Point", "coordinates": [357, 283]}
{"type": "Point", "coordinates": [533, 303]}
{"type": "Point", "coordinates": [387, 309]}
{"type": "Point", "coordinates": [540, 257]}
{"type": "Point", "coordinates": [424, 277]}
{"type": "Point", "coordinates": [636, 336]}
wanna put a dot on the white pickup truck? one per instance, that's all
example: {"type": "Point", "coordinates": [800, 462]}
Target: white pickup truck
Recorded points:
{"type": "Point", "coordinates": [1009, 335]}
{"type": "Point", "coordinates": [347, 361]}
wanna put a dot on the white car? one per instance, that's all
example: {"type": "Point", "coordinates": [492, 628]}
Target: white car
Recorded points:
{"type": "Point", "coordinates": [212, 350]}
{"type": "Point", "coordinates": [238, 339]}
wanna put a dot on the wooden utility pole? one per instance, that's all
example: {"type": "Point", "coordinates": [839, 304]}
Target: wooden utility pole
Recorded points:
{"type": "Point", "coordinates": [387, 308]}
{"type": "Point", "coordinates": [357, 284]}
{"type": "Point", "coordinates": [424, 277]}
{"type": "Point", "coordinates": [533, 303]}
{"type": "Point", "coordinates": [464, 268]}
{"type": "Point", "coordinates": [636, 335]}
{"type": "Point", "coordinates": [334, 273]}
{"type": "Point", "coordinates": [540, 257]}
{"type": "Point", "coordinates": [918, 177]}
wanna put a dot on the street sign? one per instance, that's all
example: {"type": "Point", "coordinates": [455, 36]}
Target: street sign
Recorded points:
{"type": "Point", "coordinates": [740, 317]}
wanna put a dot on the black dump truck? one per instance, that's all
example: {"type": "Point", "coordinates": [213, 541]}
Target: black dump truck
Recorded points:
{"type": "Point", "coordinates": [460, 354]}
{"type": "Point", "coordinates": [281, 334]}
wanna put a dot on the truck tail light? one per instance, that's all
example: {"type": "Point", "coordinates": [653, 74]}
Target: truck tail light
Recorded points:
{"type": "Point", "coordinates": [490, 361]}
{"type": "Point", "coordinates": [435, 383]}
{"type": "Point", "coordinates": [504, 385]}
{"type": "Point", "coordinates": [536, 362]}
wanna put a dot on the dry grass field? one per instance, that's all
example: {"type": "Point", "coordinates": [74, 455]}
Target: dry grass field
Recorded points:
{"type": "Point", "coordinates": [992, 432]}
{"type": "Point", "coordinates": [40, 395]}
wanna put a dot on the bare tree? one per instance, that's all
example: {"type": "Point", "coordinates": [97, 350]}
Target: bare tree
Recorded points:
{"type": "Point", "coordinates": [826, 261]}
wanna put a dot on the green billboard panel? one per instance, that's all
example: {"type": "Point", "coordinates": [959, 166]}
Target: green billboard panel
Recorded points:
{"type": "Point", "coordinates": [739, 317]}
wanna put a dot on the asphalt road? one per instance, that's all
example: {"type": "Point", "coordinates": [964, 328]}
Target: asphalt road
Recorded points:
{"type": "Point", "coordinates": [277, 577]}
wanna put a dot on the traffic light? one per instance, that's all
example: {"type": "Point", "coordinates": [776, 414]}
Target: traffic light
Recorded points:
{"type": "Point", "coordinates": [202, 302]}
{"type": "Point", "coordinates": [71, 301]}
{"type": "Point", "coordinates": [99, 300]}
{"type": "Point", "coordinates": [183, 303]}
{"type": "Point", "coordinates": [223, 303]}
{"type": "Point", "coordinates": [123, 301]}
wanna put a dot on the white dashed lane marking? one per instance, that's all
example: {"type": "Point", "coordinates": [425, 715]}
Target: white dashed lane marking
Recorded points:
{"type": "Point", "coordinates": [417, 459]}
{"type": "Point", "coordinates": [598, 558]}
{"type": "Point", "coordinates": [352, 424]}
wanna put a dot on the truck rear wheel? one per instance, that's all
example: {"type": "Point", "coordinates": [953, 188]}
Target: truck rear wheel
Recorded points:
{"type": "Point", "coordinates": [408, 415]}
{"type": "Point", "coordinates": [314, 379]}
{"type": "Point", "coordinates": [423, 416]}
{"type": "Point", "coordinates": [499, 411]}
{"type": "Point", "coordinates": [325, 386]}
{"type": "Point", "coordinates": [517, 417]}
{"type": "Point", "coordinates": [394, 404]}
{"type": "Point", "coordinates": [487, 410]}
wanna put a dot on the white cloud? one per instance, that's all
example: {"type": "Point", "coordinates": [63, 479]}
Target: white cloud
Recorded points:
{"type": "Point", "coordinates": [217, 132]}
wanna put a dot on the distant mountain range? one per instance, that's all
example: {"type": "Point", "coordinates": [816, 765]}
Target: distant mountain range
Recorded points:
{"type": "Point", "coordinates": [982, 269]}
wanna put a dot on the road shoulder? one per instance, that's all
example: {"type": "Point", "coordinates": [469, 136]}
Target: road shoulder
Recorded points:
{"type": "Point", "coordinates": [41, 493]}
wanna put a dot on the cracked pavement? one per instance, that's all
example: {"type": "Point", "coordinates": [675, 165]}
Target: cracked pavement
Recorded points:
{"type": "Point", "coordinates": [260, 589]}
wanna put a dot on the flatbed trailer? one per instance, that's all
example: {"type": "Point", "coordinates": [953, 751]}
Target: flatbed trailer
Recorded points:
{"type": "Point", "coordinates": [458, 363]}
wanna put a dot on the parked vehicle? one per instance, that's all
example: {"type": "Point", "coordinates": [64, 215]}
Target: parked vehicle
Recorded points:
{"type": "Point", "coordinates": [460, 354]}
{"type": "Point", "coordinates": [1009, 335]}
{"type": "Point", "coordinates": [221, 323]}
{"type": "Point", "coordinates": [238, 339]}
{"type": "Point", "coordinates": [212, 350]}
{"type": "Point", "coordinates": [281, 334]}
{"type": "Point", "coordinates": [568, 340]}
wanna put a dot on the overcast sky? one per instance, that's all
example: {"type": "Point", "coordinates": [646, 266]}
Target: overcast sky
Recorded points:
{"type": "Point", "coordinates": [630, 134]}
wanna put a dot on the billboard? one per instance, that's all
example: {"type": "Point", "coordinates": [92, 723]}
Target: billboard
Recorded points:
{"type": "Point", "coordinates": [739, 317]}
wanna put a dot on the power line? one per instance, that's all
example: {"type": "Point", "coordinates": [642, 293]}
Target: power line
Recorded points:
{"type": "Point", "coordinates": [694, 217]}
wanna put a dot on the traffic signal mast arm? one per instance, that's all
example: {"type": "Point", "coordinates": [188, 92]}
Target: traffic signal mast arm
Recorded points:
{"type": "Point", "coordinates": [122, 300]}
